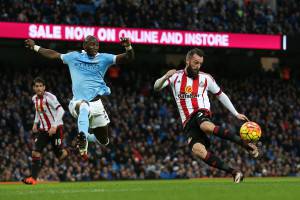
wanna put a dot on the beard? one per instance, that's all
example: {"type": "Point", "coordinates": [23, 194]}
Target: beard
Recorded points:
{"type": "Point", "coordinates": [192, 73]}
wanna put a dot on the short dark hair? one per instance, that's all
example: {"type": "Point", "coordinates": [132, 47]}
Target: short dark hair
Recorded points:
{"type": "Point", "coordinates": [197, 51]}
{"type": "Point", "coordinates": [89, 37]}
{"type": "Point", "coordinates": [39, 79]}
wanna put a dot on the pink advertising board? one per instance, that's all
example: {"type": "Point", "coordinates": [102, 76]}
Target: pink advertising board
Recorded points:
{"type": "Point", "coordinates": [140, 36]}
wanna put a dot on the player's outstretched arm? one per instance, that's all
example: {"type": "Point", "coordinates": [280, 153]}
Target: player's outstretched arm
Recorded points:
{"type": "Point", "coordinates": [227, 103]}
{"type": "Point", "coordinates": [48, 53]}
{"type": "Point", "coordinates": [128, 56]}
{"type": "Point", "coordinates": [158, 85]}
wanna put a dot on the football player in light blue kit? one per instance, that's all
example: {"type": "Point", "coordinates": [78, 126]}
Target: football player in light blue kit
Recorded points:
{"type": "Point", "coordinates": [87, 69]}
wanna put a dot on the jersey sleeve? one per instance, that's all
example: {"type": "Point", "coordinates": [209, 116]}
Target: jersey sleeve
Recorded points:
{"type": "Point", "coordinates": [110, 58]}
{"type": "Point", "coordinates": [53, 102]}
{"type": "Point", "coordinates": [166, 83]}
{"type": "Point", "coordinates": [36, 114]}
{"type": "Point", "coordinates": [170, 81]}
{"type": "Point", "coordinates": [212, 86]}
{"type": "Point", "coordinates": [68, 57]}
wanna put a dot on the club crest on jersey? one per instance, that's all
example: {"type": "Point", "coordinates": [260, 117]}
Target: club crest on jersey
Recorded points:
{"type": "Point", "coordinates": [39, 109]}
{"type": "Point", "coordinates": [188, 89]}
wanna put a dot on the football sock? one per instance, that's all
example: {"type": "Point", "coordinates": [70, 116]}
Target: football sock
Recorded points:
{"type": "Point", "coordinates": [83, 118]}
{"type": "Point", "coordinates": [225, 134]}
{"type": "Point", "coordinates": [214, 161]}
{"type": "Point", "coordinates": [36, 166]}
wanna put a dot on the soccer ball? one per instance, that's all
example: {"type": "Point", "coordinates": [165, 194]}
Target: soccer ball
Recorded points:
{"type": "Point", "coordinates": [250, 132]}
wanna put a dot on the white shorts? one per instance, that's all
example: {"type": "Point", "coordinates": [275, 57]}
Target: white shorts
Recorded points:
{"type": "Point", "coordinates": [97, 116]}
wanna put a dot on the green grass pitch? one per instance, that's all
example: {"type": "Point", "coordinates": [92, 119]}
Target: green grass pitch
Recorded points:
{"type": "Point", "coordinates": [200, 189]}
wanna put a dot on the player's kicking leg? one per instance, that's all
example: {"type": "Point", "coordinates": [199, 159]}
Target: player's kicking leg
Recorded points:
{"type": "Point", "coordinates": [208, 127]}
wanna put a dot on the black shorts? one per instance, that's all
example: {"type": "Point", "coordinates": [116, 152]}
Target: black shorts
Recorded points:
{"type": "Point", "coordinates": [193, 131]}
{"type": "Point", "coordinates": [42, 139]}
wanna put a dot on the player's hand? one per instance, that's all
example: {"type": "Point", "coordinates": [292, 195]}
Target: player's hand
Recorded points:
{"type": "Point", "coordinates": [242, 117]}
{"type": "Point", "coordinates": [34, 128]}
{"type": "Point", "coordinates": [52, 130]}
{"type": "Point", "coordinates": [29, 43]}
{"type": "Point", "coordinates": [125, 41]}
{"type": "Point", "coordinates": [170, 73]}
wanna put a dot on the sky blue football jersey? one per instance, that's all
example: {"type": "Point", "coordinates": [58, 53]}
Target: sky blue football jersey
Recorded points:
{"type": "Point", "coordinates": [87, 73]}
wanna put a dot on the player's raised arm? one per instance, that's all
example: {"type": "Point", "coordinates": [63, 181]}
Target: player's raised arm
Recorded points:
{"type": "Point", "coordinates": [160, 83]}
{"type": "Point", "coordinates": [48, 53]}
{"type": "Point", "coordinates": [128, 56]}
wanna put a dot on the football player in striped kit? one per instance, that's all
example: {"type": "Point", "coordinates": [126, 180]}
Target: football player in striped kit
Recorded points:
{"type": "Point", "coordinates": [47, 126]}
{"type": "Point", "coordinates": [190, 87]}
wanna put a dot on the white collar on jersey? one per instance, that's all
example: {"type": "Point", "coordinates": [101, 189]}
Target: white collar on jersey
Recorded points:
{"type": "Point", "coordinates": [83, 51]}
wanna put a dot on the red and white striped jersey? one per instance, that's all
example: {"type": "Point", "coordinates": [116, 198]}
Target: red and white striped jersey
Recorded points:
{"type": "Point", "coordinates": [191, 94]}
{"type": "Point", "coordinates": [46, 109]}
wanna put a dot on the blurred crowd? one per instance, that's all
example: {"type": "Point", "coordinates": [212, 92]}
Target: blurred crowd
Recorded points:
{"type": "Point", "coordinates": [251, 16]}
{"type": "Point", "coordinates": [146, 136]}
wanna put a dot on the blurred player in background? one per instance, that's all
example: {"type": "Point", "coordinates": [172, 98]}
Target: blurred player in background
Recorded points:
{"type": "Point", "coordinates": [87, 69]}
{"type": "Point", "coordinates": [48, 115]}
{"type": "Point", "coordinates": [190, 87]}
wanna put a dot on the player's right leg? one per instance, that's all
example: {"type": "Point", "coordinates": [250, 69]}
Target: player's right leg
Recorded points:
{"type": "Point", "coordinates": [41, 140]}
{"type": "Point", "coordinates": [81, 111]}
{"type": "Point", "coordinates": [58, 145]}
{"type": "Point", "coordinates": [203, 120]}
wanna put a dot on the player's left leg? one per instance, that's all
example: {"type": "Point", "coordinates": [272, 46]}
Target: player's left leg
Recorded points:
{"type": "Point", "coordinates": [101, 134]}
{"type": "Point", "coordinates": [212, 160]}
{"type": "Point", "coordinates": [99, 123]}
{"type": "Point", "coordinates": [210, 128]}
{"type": "Point", "coordinates": [57, 144]}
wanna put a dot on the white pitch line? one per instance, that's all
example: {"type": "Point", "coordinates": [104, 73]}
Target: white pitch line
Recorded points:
{"type": "Point", "coordinates": [68, 191]}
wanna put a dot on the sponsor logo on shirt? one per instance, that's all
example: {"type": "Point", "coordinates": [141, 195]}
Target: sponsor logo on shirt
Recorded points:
{"type": "Point", "coordinates": [88, 66]}
{"type": "Point", "coordinates": [188, 93]}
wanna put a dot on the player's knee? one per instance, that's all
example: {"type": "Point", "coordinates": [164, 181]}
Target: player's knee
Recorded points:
{"type": "Point", "coordinates": [63, 154]}
{"type": "Point", "coordinates": [199, 150]}
{"type": "Point", "coordinates": [82, 105]}
{"type": "Point", "coordinates": [207, 127]}
{"type": "Point", "coordinates": [35, 154]}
